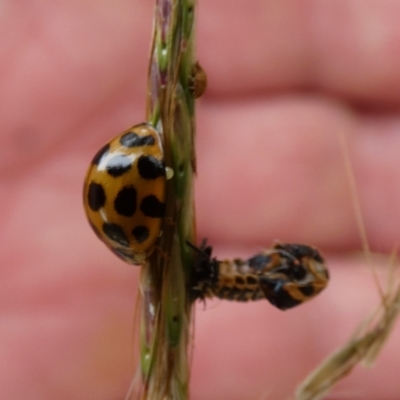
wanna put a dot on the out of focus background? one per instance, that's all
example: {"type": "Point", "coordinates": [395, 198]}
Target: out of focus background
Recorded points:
{"type": "Point", "coordinates": [286, 79]}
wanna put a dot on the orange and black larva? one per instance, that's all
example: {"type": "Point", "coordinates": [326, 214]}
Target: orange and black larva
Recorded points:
{"type": "Point", "coordinates": [286, 275]}
{"type": "Point", "coordinates": [124, 192]}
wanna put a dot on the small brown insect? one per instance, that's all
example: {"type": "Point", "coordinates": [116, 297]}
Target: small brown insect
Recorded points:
{"type": "Point", "coordinates": [124, 192]}
{"type": "Point", "coordinates": [286, 275]}
{"type": "Point", "coordinates": [198, 84]}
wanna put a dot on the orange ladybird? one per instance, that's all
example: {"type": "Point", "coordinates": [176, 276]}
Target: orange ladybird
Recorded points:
{"type": "Point", "coordinates": [124, 193]}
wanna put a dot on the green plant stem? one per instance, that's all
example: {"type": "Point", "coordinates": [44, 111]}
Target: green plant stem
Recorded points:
{"type": "Point", "coordinates": [166, 305]}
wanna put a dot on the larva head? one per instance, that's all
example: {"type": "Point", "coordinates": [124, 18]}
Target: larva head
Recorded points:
{"type": "Point", "coordinates": [297, 274]}
{"type": "Point", "coordinates": [205, 271]}
{"type": "Point", "coordinates": [124, 193]}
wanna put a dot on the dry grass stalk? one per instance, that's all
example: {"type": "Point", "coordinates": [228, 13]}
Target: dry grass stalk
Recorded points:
{"type": "Point", "coordinates": [368, 339]}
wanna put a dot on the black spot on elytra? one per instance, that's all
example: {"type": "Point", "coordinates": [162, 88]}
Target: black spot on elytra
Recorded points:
{"type": "Point", "coordinates": [150, 167]}
{"type": "Point", "coordinates": [152, 207]}
{"type": "Point", "coordinates": [116, 233]}
{"type": "Point", "coordinates": [99, 155]}
{"type": "Point", "coordinates": [119, 165]}
{"type": "Point", "coordinates": [96, 196]}
{"type": "Point", "coordinates": [126, 201]}
{"type": "Point", "coordinates": [132, 139]}
{"type": "Point", "coordinates": [140, 233]}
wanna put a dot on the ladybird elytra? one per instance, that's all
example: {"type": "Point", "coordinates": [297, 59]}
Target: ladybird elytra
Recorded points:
{"type": "Point", "coordinates": [124, 193]}
{"type": "Point", "coordinates": [286, 275]}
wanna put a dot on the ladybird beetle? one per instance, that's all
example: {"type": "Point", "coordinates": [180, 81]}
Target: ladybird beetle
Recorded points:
{"type": "Point", "coordinates": [286, 275]}
{"type": "Point", "coordinates": [198, 81]}
{"type": "Point", "coordinates": [124, 193]}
